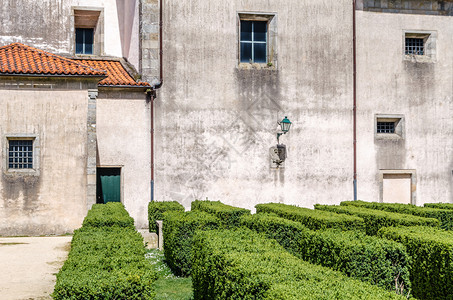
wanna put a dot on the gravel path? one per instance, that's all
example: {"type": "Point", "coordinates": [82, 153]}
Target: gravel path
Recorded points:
{"type": "Point", "coordinates": [29, 264]}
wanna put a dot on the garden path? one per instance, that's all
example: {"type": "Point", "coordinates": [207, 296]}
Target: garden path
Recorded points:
{"type": "Point", "coordinates": [29, 265]}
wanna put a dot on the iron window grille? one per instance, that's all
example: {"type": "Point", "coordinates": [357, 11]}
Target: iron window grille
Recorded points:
{"type": "Point", "coordinates": [84, 40]}
{"type": "Point", "coordinates": [20, 154]}
{"type": "Point", "coordinates": [253, 41]}
{"type": "Point", "coordinates": [415, 46]}
{"type": "Point", "coordinates": [385, 127]}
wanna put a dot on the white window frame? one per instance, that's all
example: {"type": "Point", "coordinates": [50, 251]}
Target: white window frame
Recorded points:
{"type": "Point", "coordinates": [411, 172]}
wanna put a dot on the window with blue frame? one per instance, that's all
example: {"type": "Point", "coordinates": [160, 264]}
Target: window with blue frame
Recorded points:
{"type": "Point", "coordinates": [253, 42]}
{"type": "Point", "coordinates": [84, 40]}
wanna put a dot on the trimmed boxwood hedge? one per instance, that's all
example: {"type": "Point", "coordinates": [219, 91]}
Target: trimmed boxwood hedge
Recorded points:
{"type": "Point", "coordinates": [431, 250]}
{"type": "Point", "coordinates": [311, 218]}
{"type": "Point", "coordinates": [156, 210]}
{"type": "Point", "coordinates": [242, 264]}
{"type": "Point", "coordinates": [109, 214]}
{"type": "Point", "coordinates": [178, 229]}
{"type": "Point", "coordinates": [106, 263]}
{"type": "Point", "coordinates": [229, 215]}
{"type": "Point", "coordinates": [444, 216]}
{"type": "Point", "coordinates": [439, 205]}
{"type": "Point", "coordinates": [376, 219]}
{"type": "Point", "coordinates": [368, 258]}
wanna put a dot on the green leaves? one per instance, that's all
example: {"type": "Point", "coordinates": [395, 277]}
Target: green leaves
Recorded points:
{"type": "Point", "coordinates": [312, 219]}
{"type": "Point", "coordinates": [370, 259]}
{"type": "Point", "coordinates": [106, 262]}
{"type": "Point", "coordinates": [179, 229]}
{"type": "Point", "coordinates": [157, 209]}
{"type": "Point", "coordinates": [229, 215]}
{"type": "Point", "coordinates": [376, 219]}
{"type": "Point", "coordinates": [431, 250]}
{"type": "Point", "coordinates": [242, 264]}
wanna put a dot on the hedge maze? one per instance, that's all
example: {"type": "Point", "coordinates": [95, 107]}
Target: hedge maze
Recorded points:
{"type": "Point", "coordinates": [356, 250]}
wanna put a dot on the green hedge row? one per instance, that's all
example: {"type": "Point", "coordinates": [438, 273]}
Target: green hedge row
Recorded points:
{"type": "Point", "coordinates": [229, 215]}
{"type": "Point", "coordinates": [431, 250]}
{"type": "Point", "coordinates": [372, 259]}
{"type": "Point", "coordinates": [106, 263]}
{"type": "Point", "coordinates": [109, 214]}
{"type": "Point", "coordinates": [242, 264]}
{"type": "Point", "coordinates": [444, 216]}
{"type": "Point", "coordinates": [156, 210]}
{"type": "Point", "coordinates": [376, 219]}
{"type": "Point", "coordinates": [178, 230]}
{"type": "Point", "coordinates": [439, 205]}
{"type": "Point", "coordinates": [311, 218]}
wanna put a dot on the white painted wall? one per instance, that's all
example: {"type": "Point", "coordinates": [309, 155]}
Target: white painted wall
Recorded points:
{"type": "Point", "coordinates": [422, 92]}
{"type": "Point", "coordinates": [215, 121]}
{"type": "Point", "coordinates": [123, 139]}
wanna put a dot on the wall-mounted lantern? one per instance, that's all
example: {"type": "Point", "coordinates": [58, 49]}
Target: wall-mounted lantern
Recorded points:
{"type": "Point", "coordinates": [285, 125]}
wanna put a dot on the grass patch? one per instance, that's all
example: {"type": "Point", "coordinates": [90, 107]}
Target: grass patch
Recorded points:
{"type": "Point", "coordinates": [168, 286]}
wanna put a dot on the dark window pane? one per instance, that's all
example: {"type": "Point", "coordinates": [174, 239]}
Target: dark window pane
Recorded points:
{"type": "Point", "coordinates": [246, 52]}
{"type": "Point", "coordinates": [246, 30]}
{"type": "Point", "coordinates": [260, 31]}
{"type": "Point", "coordinates": [79, 40]}
{"type": "Point", "coordinates": [89, 41]}
{"type": "Point", "coordinates": [260, 53]}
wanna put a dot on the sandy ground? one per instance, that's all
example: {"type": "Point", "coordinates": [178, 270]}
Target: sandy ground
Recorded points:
{"type": "Point", "coordinates": [29, 265]}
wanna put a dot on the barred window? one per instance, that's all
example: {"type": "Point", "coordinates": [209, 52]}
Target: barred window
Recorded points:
{"type": "Point", "coordinates": [20, 154]}
{"type": "Point", "coordinates": [415, 46]}
{"type": "Point", "coordinates": [385, 127]}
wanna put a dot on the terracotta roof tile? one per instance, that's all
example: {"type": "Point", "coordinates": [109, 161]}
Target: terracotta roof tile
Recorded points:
{"type": "Point", "coordinates": [18, 58]}
{"type": "Point", "coordinates": [117, 74]}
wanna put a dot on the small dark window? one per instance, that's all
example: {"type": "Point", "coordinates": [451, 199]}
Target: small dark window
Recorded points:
{"type": "Point", "coordinates": [84, 40]}
{"type": "Point", "coordinates": [253, 41]}
{"type": "Point", "coordinates": [385, 127]}
{"type": "Point", "coordinates": [415, 46]}
{"type": "Point", "coordinates": [20, 154]}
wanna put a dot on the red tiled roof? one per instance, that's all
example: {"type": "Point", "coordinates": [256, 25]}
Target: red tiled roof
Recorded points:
{"type": "Point", "coordinates": [117, 75]}
{"type": "Point", "coordinates": [18, 58]}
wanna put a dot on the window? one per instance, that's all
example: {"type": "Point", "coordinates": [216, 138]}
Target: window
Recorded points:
{"type": "Point", "coordinates": [414, 46]}
{"type": "Point", "coordinates": [88, 27]}
{"type": "Point", "coordinates": [389, 126]}
{"type": "Point", "coordinates": [385, 127]}
{"type": "Point", "coordinates": [254, 41]}
{"type": "Point", "coordinates": [84, 40]}
{"type": "Point", "coordinates": [257, 40]}
{"type": "Point", "coordinates": [20, 154]}
{"type": "Point", "coordinates": [419, 46]}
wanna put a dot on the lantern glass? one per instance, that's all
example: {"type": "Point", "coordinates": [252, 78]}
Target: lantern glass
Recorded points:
{"type": "Point", "coordinates": [285, 125]}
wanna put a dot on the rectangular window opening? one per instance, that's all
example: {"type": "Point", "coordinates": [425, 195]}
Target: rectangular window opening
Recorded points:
{"type": "Point", "coordinates": [84, 40]}
{"type": "Point", "coordinates": [385, 127]}
{"type": "Point", "coordinates": [20, 154]}
{"type": "Point", "coordinates": [253, 41]}
{"type": "Point", "coordinates": [415, 46]}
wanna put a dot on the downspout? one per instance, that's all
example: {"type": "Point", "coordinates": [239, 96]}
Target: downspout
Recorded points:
{"type": "Point", "coordinates": [354, 93]}
{"type": "Point", "coordinates": [152, 95]}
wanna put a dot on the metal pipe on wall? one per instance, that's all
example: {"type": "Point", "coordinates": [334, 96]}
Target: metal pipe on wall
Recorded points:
{"type": "Point", "coordinates": [354, 93]}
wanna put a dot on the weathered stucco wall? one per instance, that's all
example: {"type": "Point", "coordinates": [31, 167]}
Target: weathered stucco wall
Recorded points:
{"type": "Point", "coordinates": [391, 83]}
{"type": "Point", "coordinates": [48, 25]}
{"type": "Point", "coordinates": [216, 120]}
{"type": "Point", "coordinates": [123, 139]}
{"type": "Point", "coordinates": [53, 202]}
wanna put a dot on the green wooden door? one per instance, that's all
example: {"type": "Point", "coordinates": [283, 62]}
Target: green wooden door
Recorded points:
{"type": "Point", "coordinates": [109, 185]}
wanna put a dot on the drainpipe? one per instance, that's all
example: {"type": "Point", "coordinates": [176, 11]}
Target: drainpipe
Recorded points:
{"type": "Point", "coordinates": [354, 93]}
{"type": "Point", "coordinates": [152, 96]}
